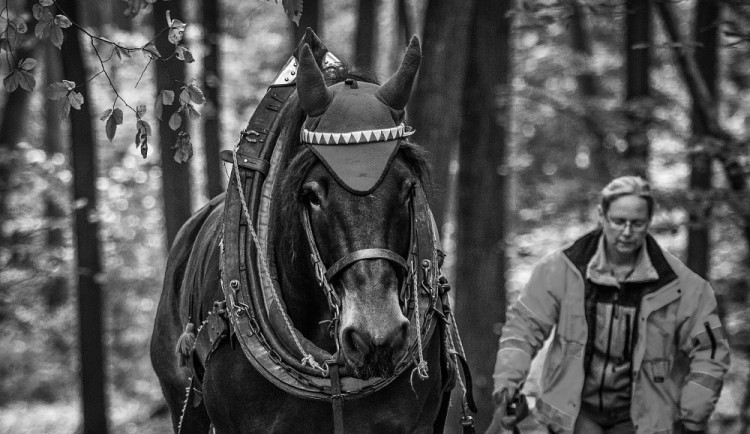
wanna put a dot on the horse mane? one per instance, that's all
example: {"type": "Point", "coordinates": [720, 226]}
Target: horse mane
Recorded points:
{"type": "Point", "coordinates": [286, 211]}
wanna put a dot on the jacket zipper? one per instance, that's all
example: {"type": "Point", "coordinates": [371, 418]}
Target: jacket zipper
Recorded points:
{"type": "Point", "coordinates": [606, 357]}
{"type": "Point", "coordinates": [712, 338]}
{"type": "Point", "coordinates": [626, 350]}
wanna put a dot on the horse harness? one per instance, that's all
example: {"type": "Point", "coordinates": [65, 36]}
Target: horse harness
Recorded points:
{"type": "Point", "coordinates": [273, 347]}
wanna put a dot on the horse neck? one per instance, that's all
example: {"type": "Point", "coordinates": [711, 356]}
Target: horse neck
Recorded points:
{"type": "Point", "coordinates": [305, 300]}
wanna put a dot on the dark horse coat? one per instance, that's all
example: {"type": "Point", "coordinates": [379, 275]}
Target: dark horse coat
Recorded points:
{"type": "Point", "coordinates": [372, 335]}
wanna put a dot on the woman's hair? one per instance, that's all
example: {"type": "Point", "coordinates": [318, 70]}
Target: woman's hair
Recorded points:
{"type": "Point", "coordinates": [627, 186]}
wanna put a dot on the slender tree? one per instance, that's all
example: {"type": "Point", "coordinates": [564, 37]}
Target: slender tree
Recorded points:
{"type": "Point", "coordinates": [13, 128]}
{"type": "Point", "coordinates": [705, 31]}
{"type": "Point", "coordinates": [587, 84]}
{"type": "Point", "coordinates": [364, 45]}
{"type": "Point", "coordinates": [637, 89]}
{"type": "Point", "coordinates": [311, 17]}
{"type": "Point", "coordinates": [55, 290]}
{"type": "Point", "coordinates": [435, 106]}
{"type": "Point", "coordinates": [87, 238]}
{"type": "Point", "coordinates": [482, 177]}
{"type": "Point", "coordinates": [175, 177]}
{"type": "Point", "coordinates": [211, 86]}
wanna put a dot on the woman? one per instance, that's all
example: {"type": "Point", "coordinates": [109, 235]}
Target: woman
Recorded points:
{"type": "Point", "coordinates": [638, 346]}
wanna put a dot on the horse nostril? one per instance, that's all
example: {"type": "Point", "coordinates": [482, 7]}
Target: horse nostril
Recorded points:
{"type": "Point", "coordinates": [400, 339]}
{"type": "Point", "coordinates": [355, 344]}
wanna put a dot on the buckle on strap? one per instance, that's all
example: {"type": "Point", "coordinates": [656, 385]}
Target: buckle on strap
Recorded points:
{"type": "Point", "coordinates": [358, 255]}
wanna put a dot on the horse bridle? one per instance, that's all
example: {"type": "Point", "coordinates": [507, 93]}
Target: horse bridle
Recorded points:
{"type": "Point", "coordinates": [325, 275]}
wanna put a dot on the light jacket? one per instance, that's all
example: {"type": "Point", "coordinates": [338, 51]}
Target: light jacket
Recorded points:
{"type": "Point", "coordinates": [679, 359]}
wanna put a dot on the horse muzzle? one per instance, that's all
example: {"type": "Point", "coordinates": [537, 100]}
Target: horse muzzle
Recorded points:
{"type": "Point", "coordinates": [373, 344]}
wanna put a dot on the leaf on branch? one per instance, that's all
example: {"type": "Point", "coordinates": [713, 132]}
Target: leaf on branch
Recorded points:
{"type": "Point", "coordinates": [113, 121]}
{"type": "Point", "coordinates": [60, 89]}
{"type": "Point", "coordinates": [19, 77]}
{"type": "Point", "coordinates": [293, 9]}
{"type": "Point", "coordinates": [141, 136]}
{"type": "Point", "coordinates": [184, 96]}
{"type": "Point", "coordinates": [141, 124]}
{"type": "Point", "coordinates": [111, 128]}
{"type": "Point", "coordinates": [196, 94]}
{"type": "Point", "coordinates": [44, 27]}
{"type": "Point", "coordinates": [76, 99]}
{"type": "Point", "coordinates": [175, 121]}
{"type": "Point", "coordinates": [192, 112]}
{"type": "Point", "coordinates": [184, 54]}
{"type": "Point", "coordinates": [176, 29]}
{"type": "Point", "coordinates": [150, 51]}
{"type": "Point", "coordinates": [40, 12]}
{"type": "Point", "coordinates": [73, 99]}
{"type": "Point", "coordinates": [106, 114]}
{"type": "Point", "coordinates": [27, 64]}
{"type": "Point", "coordinates": [165, 97]}
{"type": "Point", "coordinates": [56, 36]}
{"type": "Point", "coordinates": [117, 114]}
{"type": "Point", "coordinates": [140, 111]}
{"type": "Point", "coordinates": [62, 21]}
{"type": "Point", "coordinates": [183, 148]}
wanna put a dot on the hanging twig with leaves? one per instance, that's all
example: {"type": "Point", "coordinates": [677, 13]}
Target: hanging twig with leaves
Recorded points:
{"type": "Point", "coordinates": [51, 21]}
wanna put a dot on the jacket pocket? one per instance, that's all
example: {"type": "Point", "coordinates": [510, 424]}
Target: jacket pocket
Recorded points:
{"type": "Point", "coordinates": [661, 327]}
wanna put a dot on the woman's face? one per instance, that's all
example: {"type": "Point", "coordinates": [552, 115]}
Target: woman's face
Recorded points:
{"type": "Point", "coordinates": [625, 224]}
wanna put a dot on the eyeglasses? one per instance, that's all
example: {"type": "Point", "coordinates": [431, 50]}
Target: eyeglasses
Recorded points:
{"type": "Point", "coordinates": [620, 224]}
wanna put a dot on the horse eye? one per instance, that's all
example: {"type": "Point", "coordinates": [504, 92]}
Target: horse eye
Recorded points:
{"type": "Point", "coordinates": [311, 193]}
{"type": "Point", "coordinates": [312, 198]}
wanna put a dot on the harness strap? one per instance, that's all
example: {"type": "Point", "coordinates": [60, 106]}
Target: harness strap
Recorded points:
{"type": "Point", "coordinates": [337, 399]}
{"type": "Point", "coordinates": [246, 161]}
{"type": "Point", "coordinates": [361, 254]}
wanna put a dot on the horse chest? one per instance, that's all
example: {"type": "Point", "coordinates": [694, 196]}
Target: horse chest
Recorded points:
{"type": "Point", "coordinates": [240, 400]}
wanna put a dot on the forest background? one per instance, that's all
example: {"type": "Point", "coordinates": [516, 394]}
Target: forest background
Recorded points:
{"type": "Point", "coordinates": [527, 107]}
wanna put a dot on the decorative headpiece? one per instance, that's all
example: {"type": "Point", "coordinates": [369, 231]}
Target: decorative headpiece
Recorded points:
{"type": "Point", "coordinates": [354, 127]}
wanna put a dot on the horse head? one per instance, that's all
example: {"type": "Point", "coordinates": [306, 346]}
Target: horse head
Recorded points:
{"type": "Point", "coordinates": [356, 195]}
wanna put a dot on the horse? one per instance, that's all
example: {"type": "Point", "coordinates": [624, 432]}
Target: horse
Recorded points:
{"type": "Point", "coordinates": [307, 298]}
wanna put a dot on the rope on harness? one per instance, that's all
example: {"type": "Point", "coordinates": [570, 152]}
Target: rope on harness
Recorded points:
{"type": "Point", "coordinates": [467, 422]}
{"type": "Point", "coordinates": [307, 359]}
{"type": "Point", "coordinates": [421, 367]}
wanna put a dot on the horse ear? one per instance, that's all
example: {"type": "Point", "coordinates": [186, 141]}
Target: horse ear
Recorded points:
{"type": "Point", "coordinates": [313, 93]}
{"type": "Point", "coordinates": [395, 92]}
{"type": "Point", "coordinates": [319, 49]}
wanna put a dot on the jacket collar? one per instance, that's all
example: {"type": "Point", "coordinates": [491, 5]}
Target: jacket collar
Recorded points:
{"type": "Point", "coordinates": [583, 250]}
{"type": "Point", "coordinates": [600, 271]}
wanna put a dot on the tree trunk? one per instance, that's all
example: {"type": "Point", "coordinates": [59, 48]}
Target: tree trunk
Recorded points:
{"type": "Point", "coordinates": [55, 290]}
{"type": "Point", "coordinates": [705, 31]}
{"type": "Point", "coordinates": [175, 176]}
{"type": "Point", "coordinates": [365, 40]}
{"type": "Point", "coordinates": [435, 111]}
{"type": "Point", "coordinates": [311, 17]}
{"type": "Point", "coordinates": [637, 90]}
{"type": "Point", "coordinates": [211, 86]}
{"type": "Point", "coordinates": [12, 131]}
{"type": "Point", "coordinates": [581, 43]}
{"type": "Point", "coordinates": [482, 177]}
{"type": "Point", "coordinates": [404, 24]}
{"type": "Point", "coordinates": [87, 237]}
